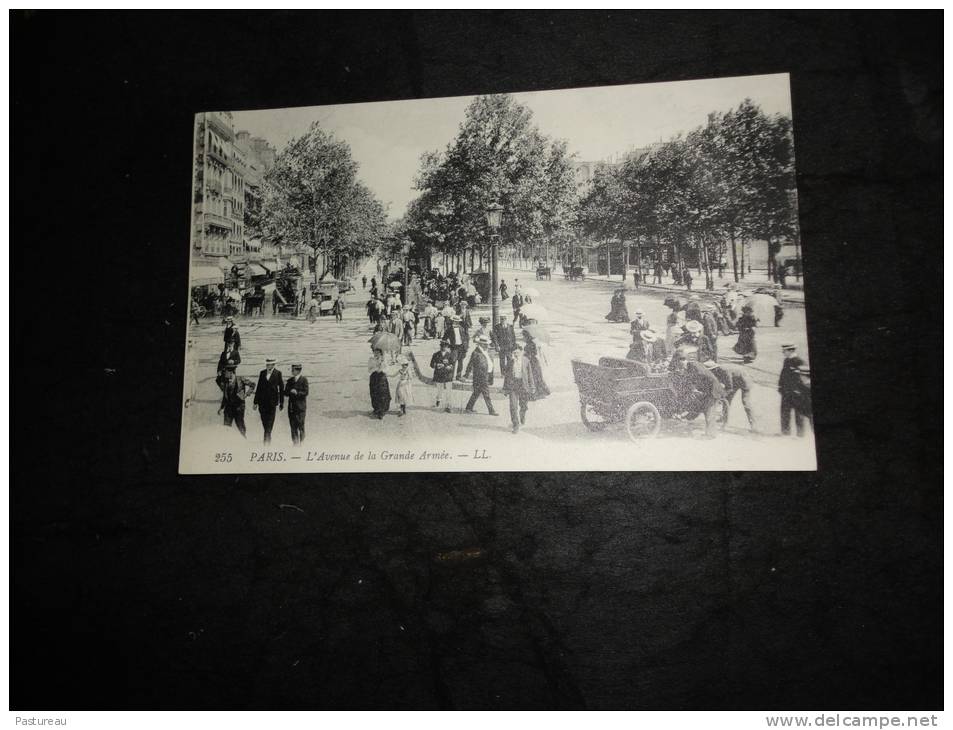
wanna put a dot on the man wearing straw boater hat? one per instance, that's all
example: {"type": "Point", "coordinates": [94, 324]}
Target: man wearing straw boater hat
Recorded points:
{"type": "Point", "coordinates": [269, 395]}
{"type": "Point", "coordinates": [481, 365]}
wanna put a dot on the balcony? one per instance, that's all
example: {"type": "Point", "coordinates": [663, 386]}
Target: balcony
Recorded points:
{"type": "Point", "coordinates": [221, 123]}
{"type": "Point", "coordinates": [218, 221]}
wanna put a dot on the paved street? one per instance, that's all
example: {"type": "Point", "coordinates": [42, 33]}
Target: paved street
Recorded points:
{"type": "Point", "coordinates": [339, 419]}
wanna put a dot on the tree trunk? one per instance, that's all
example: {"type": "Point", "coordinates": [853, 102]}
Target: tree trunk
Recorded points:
{"type": "Point", "coordinates": [734, 256]}
{"type": "Point", "coordinates": [743, 241]}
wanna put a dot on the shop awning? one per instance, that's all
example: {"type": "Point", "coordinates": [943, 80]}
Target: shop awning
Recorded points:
{"type": "Point", "coordinates": [257, 270]}
{"type": "Point", "coordinates": [225, 264]}
{"type": "Point", "coordinates": [269, 264]}
{"type": "Point", "coordinates": [205, 275]}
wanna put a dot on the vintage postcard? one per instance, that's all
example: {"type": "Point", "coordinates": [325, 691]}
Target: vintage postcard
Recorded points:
{"type": "Point", "coordinates": [588, 279]}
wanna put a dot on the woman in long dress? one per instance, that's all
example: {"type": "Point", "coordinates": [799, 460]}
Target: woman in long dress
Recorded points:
{"type": "Point", "coordinates": [403, 390]}
{"type": "Point", "coordinates": [536, 388]}
{"type": "Point", "coordinates": [746, 345]}
{"type": "Point", "coordinates": [379, 385]}
{"type": "Point", "coordinates": [618, 311]}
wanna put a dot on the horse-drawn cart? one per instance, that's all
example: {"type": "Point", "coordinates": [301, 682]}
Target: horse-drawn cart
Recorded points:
{"type": "Point", "coordinates": [544, 272]}
{"type": "Point", "coordinates": [619, 390]}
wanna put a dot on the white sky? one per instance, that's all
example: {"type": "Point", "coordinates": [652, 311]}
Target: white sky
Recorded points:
{"type": "Point", "coordinates": [387, 138]}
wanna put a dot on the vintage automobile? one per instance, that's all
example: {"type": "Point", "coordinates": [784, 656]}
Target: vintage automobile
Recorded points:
{"type": "Point", "coordinates": [625, 391]}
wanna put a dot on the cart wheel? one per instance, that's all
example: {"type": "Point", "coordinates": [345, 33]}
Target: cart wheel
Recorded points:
{"type": "Point", "coordinates": [642, 420]}
{"type": "Point", "coordinates": [592, 420]}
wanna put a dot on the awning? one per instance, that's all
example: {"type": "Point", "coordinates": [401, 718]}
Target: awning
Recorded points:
{"type": "Point", "coordinates": [225, 264]}
{"type": "Point", "coordinates": [269, 264]}
{"type": "Point", "coordinates": [205, 275]}
{"type": "Point", "coordinates": [257, 270]}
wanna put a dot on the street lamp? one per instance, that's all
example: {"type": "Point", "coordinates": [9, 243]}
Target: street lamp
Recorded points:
{"type": "Point", "coordinates": [494, 214]}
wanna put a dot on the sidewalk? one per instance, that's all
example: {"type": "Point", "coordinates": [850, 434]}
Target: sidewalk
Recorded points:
{"type": "Point", "coordinates": [792, 297]}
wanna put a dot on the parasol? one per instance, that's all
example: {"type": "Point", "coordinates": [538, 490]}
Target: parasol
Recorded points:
{"type": "Point", "coordinates": [385, 342]}
{"type": "Point", "coordinates": [538, 333]}
{"type": "Point", "coordinates": [763, 306]}
{"type": "Point", "coordinates": [533, 311]}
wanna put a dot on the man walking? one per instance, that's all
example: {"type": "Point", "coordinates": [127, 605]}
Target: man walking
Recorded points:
{"type": "Point", "coordinates": [504, 339]}
{"type": "Point", "coordinates": [734, 379]}
{"type": "Point", "coordinates": [442, 363]}
{"type": "Point", "coordinates": [790, 388]}
{"type": "Point", "coordinates": [457, 335]}
{"type": "Point", "coordinates": [230, 335]}
{"type": "Point", "coordinates": [363, 281]}
{"type": "Point", "coordinates": [515, 389]}
{"type": "Point", "coordinates": [658, 272]}
{"type": "Point", "coordinates": [269, 394]}
{"type": "Point", "coordinates": [296, 391]}
{"type": "Point", "coordinates": [481, 366]}
{"type": "Point", "coordinates": [234, 391]}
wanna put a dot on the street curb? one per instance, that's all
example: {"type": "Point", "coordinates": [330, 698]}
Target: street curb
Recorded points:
{"type": "Point", "coordinates": [681, 291]}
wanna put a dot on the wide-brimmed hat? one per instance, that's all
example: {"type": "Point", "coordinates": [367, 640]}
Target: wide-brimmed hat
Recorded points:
{"type": "Point", "coordinates": [647, 335]}
{"type": "Point", "coordinates": [484, 320]}
{"type": "Point", "coordinates": [456, 318]}
{"type": "Point", "coordinates": [482, 340]}
{"type": "Point", "coordinates": [296, 366]}
{"type": "Point", "coordinates": [270, 361]}
{"type": "Point", "coordinates": [788, 346]}
{"type": "Point", "coordinates": [710, 364]}
{"type": "Point", "coordinates": [693, 326]}
{"type": "Point", "coordinates": [638, 312]}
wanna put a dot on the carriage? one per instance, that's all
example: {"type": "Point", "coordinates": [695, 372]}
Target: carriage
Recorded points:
{"type": "Point", "coordinates": [544, 272]}
{"type": "Point", "coordinates": [626, 391]}
{"type": "Point", "coordinates": [575, 272]}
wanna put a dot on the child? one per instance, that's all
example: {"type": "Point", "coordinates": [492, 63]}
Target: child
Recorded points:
{"type": "Point", "coordinates": [403, 386]}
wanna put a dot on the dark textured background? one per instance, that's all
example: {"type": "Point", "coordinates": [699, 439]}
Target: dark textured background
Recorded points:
{"type": "Point", "coordinates": [133, 587]}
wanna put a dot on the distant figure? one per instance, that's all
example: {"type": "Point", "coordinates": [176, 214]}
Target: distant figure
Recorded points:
{"type": "Point", "coordinates": [363, 281]}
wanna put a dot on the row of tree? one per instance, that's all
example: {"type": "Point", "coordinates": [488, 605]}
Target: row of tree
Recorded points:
{"type": "Point", "coordinates": [498, 156]}
{"type": "Point", "coordinates": [709, 191]}
{"type": "Point", "coordinates": [311, 198]}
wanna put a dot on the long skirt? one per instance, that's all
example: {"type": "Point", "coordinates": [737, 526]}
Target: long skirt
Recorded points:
{"type": "Point", "coordinates": [536, 388]}
{"type": "Point", "coordinates": [380, 392]}
{"type": "Point", "coordinates": [746, 345]}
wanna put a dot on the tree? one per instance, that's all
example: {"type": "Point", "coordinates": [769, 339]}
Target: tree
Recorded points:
{"type": "Point", "coordinates": [498, 156]}
{"type": "Point", "coordinates": [312, 198]}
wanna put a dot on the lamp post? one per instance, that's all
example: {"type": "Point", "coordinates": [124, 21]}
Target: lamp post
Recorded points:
{"type": "Point", "coordinates": [494, 214]}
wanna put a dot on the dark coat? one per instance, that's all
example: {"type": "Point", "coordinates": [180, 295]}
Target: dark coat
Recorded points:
{"type": "Point", "coordinates": [231, 335]}
{"type": "Point", "coordinates": [380, 391]}
{"type": "Point", "coordinates": [504, 338]}
{"type": "Point", "coordinates": [228, 358]}
{"type": "Point", "coordinates": [480, 367]}
{"type": "Point", "coordinates": [705, 382]}
{"type": "Point", "coordinates": [789, 382]}
{"type": "Point", "coordinates": [270, 393]}
{"type": "Point", "coordinates": [746, 346]}
{"type": "Point", "coordinates": [234, 394]}
{"type": "Point", "coordinates": [298, 402]}
{"type": "Point", "coordinates": [443, 365]}
{"type": "Point", "coordinates": [464, 336]}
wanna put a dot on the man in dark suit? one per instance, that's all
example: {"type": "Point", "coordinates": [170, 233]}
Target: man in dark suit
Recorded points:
{"type": "Point", "coordinates": [234, 391]}
{"type": "Point", "coordinates": [269, 395]}
{"type": "Point", "coordinates": [791, 390]}
{"type": "Point", "coordinates": [296, 391]}
{"type": "Point", "coordinates": [504, 339]}
{"type": "Point", "coordinates": [699, 390]}
{"type": "Point", "coordinates": [482, 368]}
{"type": "Point", "coordinates": [231, 336]}
{"type": "Point", "coordinates": [458, 337]}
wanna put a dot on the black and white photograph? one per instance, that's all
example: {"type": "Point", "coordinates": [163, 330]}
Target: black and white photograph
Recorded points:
{"type": "Point", "coordinates": [603, 278]}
